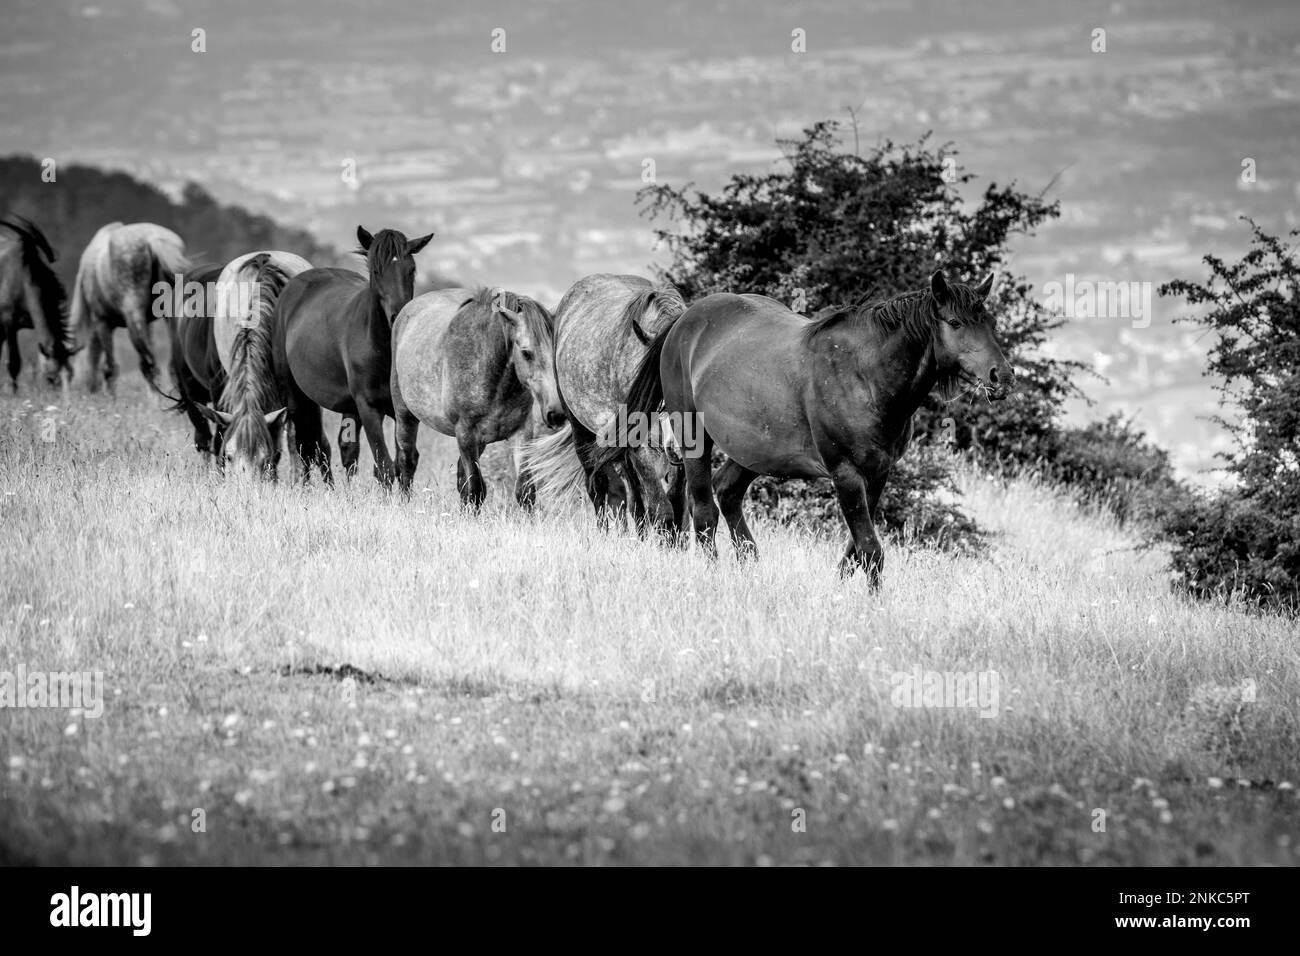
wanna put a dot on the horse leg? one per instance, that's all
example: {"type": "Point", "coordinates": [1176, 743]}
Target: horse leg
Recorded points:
{"type": "Point", "coordinates": [350, 444]}
{"type": "Point", "coordinates": [677, 499]}
{"type": "Point", "coordinates": [469, 480]}
{"type": "Point", "coordinates": [309, 437]}
{"type": "Point", "coordinates": [372, 420]}
{"type": "Point", "coordinates": [406, 432]}
{"type": "Point", "coordinates": [635, 503]}
{"type": "Point", "coordinates": [597, 484]}
{"type": "Point", "coordinates": [15, 357]}
{"type": "Point", "coordinates": [864, 549]}
{"type": "Point", "coordinates": [730, 484]}
{"type": "Point", "coordinates": [105, 332]}
{"type": "Point", "coordinates": [704, 513]}
{"type": "Point", "coordinates": [525, 489]}
{"type": "Point", "coordinates": [136, 313]}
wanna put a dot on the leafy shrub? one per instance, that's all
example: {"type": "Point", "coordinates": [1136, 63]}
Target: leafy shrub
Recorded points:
{"type": "Point", "coordinates": [1246, 538]}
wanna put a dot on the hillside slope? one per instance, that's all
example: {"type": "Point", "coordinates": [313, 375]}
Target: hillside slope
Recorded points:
{"type": "Point", "coordinates": [530, 689]}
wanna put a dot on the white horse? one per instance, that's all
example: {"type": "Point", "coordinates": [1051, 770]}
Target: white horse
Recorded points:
{"type": "Point", "coordinates": [603, 327]}
{"type": "Point", "coordinates": [115, 288]}
{"type": "Point", "coordinates": [250, 409]}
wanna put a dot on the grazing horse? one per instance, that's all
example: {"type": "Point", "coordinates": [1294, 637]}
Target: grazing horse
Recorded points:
{"type": "Point", "coordinates": [828, 398]}
{"type": "Point", "coordinates": [196, 366]}
{"type": "Point", "coordinates": [333, 349]}
{"type": "Point", "coordinates": [603, 327]}
{"type": "Point", "coordinates": [115, 287]}
{"type": "Point", "coordinates": [473, 365]}
{"type": "Point", "coordinates": [251, 405]}
{"type": "Point", "coordinates": [32, 297]}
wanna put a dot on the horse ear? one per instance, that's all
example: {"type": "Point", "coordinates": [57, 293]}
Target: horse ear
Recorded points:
{"type": "Point", "coordinates": [273, 417]}
{"type": "Point", "coordinates": [77, 347]}
{"type": "Point", "coordinates": [212, 415]}
{"type": "Point", "coordinates": [364, 238]}
{"type": "Point", "coordinates": [43, 349]}
{"type": "Point", "coordinates": [415, 245]}
{"type": "Point", "coordinates": [986, 287]}
{"type": "Point", "coordinates": [939, 288]}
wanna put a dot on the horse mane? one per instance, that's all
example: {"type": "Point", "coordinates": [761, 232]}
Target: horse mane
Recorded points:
{"type": "Point", "coordinates": [915, 313]}
{"type": "Point", "coordinates": [36, 255]}
{"type": "Point", "coordinates": [540, 321]}
{"type": "Point", "coordinates": [251, 388]}
{"type": "Point", "coordinates": [385, 245]}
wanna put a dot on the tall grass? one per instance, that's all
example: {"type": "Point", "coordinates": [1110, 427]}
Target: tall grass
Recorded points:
{"type": "Point", "coordinates": [601, 698]}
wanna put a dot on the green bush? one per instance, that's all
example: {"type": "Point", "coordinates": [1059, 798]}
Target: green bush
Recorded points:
{"type": "Point", "coordinates": [1245, 539]}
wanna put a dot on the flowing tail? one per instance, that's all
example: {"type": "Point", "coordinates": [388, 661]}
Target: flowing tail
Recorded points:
{"type": "Point", "coordinates": [169, 261]}
{"type": "Point", "coordinates": [552, 462]}
{"type": "Point", "coordinates": [644, 396]}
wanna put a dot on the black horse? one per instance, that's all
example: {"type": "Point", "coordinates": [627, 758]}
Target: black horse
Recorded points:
{"type": "Point", "coordinates": [32, 297]}
{"type": "Point", "coordinates": [332, 345]}
{"type": "Point", "coordinates": [829, 398]}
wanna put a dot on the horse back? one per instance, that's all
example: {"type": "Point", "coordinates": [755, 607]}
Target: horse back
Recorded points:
{"type": "Point", "coordinates": [424, 350]}
{"type": "Point", "coordinates": [315, 315]}
{"type": "Point", "coordinates": [739, 362]}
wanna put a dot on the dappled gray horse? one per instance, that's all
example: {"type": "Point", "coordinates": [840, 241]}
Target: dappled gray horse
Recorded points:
{"type": "Point", "coordinates": [115, 288]}
{"type": "Point", "coordinates": [603, 326]}
{"type": "Point", "coordinates": [472, 365]}
{"type": "Point", "coordinates": [32, 297]}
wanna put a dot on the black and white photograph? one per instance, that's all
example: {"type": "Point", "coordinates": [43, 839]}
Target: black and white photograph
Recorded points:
{"type": "Point", "coordinates": [592, 433]}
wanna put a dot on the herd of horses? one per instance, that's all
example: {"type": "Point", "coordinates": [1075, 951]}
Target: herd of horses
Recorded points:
{"type": "Point", "coordinates": [768, 391]}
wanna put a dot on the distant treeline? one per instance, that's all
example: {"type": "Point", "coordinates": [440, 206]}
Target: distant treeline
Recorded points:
{"type": "Point", "coordinates": [72, 209]}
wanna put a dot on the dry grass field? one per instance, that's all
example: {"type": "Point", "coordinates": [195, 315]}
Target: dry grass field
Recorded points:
{"type": "Point", "coordinates": [317, 675]}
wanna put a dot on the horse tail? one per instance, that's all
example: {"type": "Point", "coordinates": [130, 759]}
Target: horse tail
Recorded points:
{"type": "Point", "coordinates": [552, 462]}
{"type": "Point", "coordinates": [79, 317]}
{"type": "Point", "coordinates": [653, 310]}
{"type": "Point", "coordinates": [644, 396]}
{"type": "Point", "coordinates": [168, 260]}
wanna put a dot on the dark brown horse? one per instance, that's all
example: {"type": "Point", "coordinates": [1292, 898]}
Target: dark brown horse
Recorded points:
{"type": "Point", "coordinates": [195, 364]}
{"type": "Point", "coordinates": [333, 349]}
{"type": "Point", "coordinates": [827, 398]}
{"type": "Point", "coordinates": [32, 297]}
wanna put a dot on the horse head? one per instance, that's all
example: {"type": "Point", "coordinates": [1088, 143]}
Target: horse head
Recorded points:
{"type": "Point", "coordinates": [530, 338]}
{"type": "Point", "coordinates": [390, 262]}
{"type": "Point", "coordinates": [965, 347]}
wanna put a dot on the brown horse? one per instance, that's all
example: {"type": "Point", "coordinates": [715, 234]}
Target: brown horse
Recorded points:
{"type": "Point", "coordinates": [473, 365]}
{"type": "Point", "coordinates": [827, 398]}
{"type": "Point", "coordinates": [333, 349]}
{"type": "Point", "coordinates": [32, 297]}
